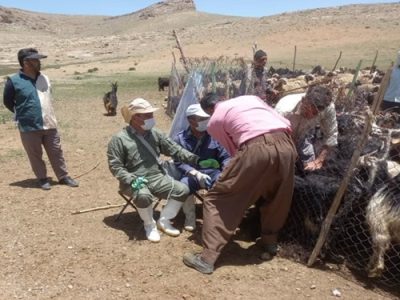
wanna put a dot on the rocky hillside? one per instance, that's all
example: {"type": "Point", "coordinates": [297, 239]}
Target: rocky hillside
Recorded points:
{"type": "Point", "coordinates": [165, 7]}
{"type": "Point", "coordinates": [145, 35]}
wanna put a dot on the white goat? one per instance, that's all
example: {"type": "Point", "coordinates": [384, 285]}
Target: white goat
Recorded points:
{"type": "Point", "coordinates": [383, 218]}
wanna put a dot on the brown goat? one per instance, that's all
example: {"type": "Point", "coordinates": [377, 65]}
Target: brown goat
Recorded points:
{"type": "Point", "coordinates": [110, 100]}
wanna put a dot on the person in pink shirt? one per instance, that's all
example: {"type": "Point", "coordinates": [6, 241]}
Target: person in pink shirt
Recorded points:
{"type": "Point", "coordinates": [262, 167]}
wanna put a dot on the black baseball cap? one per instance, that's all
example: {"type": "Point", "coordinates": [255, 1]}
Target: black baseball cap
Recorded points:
{"type": "Point", "coordinates": [29, 53]}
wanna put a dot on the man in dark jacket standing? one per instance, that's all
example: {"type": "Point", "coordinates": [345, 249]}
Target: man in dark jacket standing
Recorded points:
{"type": "Point", "coordinates": [28, 95]}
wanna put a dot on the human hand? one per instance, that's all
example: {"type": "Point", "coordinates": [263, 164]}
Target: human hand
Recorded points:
{"type": "Point", "coordinates": [313, 165]}
{"type": "Point", "coordinates": [209, 163]}
{"type": "Point", "coordinates": [138, 183]}
{"type": "Point", "coordinates": [203, 179]}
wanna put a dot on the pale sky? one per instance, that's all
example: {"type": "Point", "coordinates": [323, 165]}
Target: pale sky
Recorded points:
{"type": "Point", "coordinates": [246, 8]}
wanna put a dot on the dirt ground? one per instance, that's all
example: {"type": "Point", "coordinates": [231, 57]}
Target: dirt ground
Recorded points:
{"type": "Point", "coordinates": [49, 253]}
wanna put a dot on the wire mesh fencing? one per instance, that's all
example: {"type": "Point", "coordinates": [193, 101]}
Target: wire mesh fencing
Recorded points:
{"type": "Point", "coordinates": [365, 233]}
{"type": "Point", "coordinates": [223, 75]}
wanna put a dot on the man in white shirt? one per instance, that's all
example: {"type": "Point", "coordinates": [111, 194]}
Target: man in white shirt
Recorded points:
{"type": "Point", "coordinates": [305, 111]}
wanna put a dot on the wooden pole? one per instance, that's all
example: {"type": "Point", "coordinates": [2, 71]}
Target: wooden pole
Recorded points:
{"type": "Point", "coordinates": [381, 92]}
{"type": "Point", "coordinates": [326, 225]}
{"type": "Point", "coordinates": [173, 57]}
{"type": "Point", "coordinates": [96, 208]}
{"type": "Point", "coordinates": [317, 82]}
{"type": "Point", "coordinates": [178, 43]}
{"type": "Point", "coordinates": [294, 58]}
{"type": "Point", "coordinates": [254, 48]}
{"type": "Point", "coordinates": [353, 83]}
{"type": "Point", "coordinates": [213, 79]}
{"type": "Point", "coordinates": [374, 61]}
{"type": "Point", "coordinates": [337, 61]}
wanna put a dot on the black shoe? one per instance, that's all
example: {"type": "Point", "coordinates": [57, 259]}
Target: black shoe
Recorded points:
{"type": "Point", "coordinates": [44, 184]}
{"type": "Point", "coordinates": [269, 251]}
{"type": "Point", "coordinates": [69, 181]}
{"type": "Point", "coordinates": [194, 261]}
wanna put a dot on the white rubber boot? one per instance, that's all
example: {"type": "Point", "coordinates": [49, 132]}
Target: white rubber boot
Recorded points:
{"type": "Point", "coordinates": [169, 212]}
{"type": "Point", "coordinates": [146, 214]}
{"type": "Point", "coordinates": [189, 209]}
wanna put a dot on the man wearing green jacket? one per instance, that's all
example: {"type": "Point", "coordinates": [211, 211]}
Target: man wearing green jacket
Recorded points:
{"type": "Point", "coordinates": [134, 159]}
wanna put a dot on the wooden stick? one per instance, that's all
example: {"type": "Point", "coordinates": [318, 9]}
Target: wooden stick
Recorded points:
{"type": "Point", "coordinates": [322, 81]}
{"type": "Point", "coordinates": [326, 225]}
{"type": "Point", "coordinates": [373, 62]}
{"type": "Point", "coordinates": [174, 58]}
{"type": "Point", "coordinates": [381, 92]}
{"type": "Point", "coordinates": [337, 61]}
{"type": "Point", "coordinates": [254, 48]}
{"type": "Point", "coordinates": [294, 58]}
{"type": "Point", "coordinates": [97, 208]}
{"type": "Point", "coordinates": [87, 172]}
{"type": "Point", "coordinates": [185, 65]}
{"type": "Point", "coordinates": [353, 83]}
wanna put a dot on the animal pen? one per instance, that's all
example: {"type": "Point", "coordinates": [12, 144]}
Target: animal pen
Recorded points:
{"type": "Point", "coordinates": [361, 176]}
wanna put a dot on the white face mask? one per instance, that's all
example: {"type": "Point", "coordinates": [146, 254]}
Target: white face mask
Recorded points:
{"type": "Point", "coordinates": [148, 124]}
{"type": "Point", "coordinates": [202, 125]}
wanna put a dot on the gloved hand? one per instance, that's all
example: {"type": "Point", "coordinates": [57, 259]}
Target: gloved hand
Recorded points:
{"type": "Point", "coordinates": [209, 163]}
{"type": "Point", "coordinates": [203, 179]}
{"type": "Point", "coordinates": [138, 183]}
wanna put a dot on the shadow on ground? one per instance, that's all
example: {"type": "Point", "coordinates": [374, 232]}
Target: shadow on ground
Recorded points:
{"type": "Point", "coordinates": [31, 183]}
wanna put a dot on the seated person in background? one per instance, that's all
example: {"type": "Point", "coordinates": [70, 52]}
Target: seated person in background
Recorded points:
{"type": "Point", "coordinates": [133, 158]}
{"type": "Point", "coordinates": [196, 140]}
{"type": "Point", "coordinates": [305, 111]}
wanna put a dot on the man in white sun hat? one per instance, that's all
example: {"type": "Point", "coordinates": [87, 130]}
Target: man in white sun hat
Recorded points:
{"type": "Point", "coordinates": [134, 159]}
{"type": "Point", "coordinates": [196, 139]}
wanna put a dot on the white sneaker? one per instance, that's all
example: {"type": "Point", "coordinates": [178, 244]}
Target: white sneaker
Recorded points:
{"type": "Point", "coordinates": [165, 226]}
{"type": "Point", "coordinates": [152, 233]}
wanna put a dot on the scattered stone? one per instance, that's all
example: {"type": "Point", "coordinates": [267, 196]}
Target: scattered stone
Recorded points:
{"type": "Point", "coordinates": [70, 286]}
{"type": "Point", "coordinates": [336, 293]}
{"type": "Point", "coordinates": [313, 287]}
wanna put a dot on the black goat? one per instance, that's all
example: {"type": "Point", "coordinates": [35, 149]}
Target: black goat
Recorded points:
{"type": "Point", "coordinates": [163, 82]}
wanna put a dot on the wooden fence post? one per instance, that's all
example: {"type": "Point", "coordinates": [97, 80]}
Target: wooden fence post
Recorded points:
{"type": "Point", "coordinates": [343, 185]}
{"type": "Point", "coordinates": [381, 92]}
{"type": "Point", "coordinates": [178, 43]}
{"type": "Point", "coordinates": [353, 82]}
{"type": "Point", "coordinates": [254, 48]}
{"type": "Point", "coordinates": [294, 57]}
{"type": "Point", "coordinates": [374, 61]}
{"type": "Point", "coordinates": [326, 225]}
{"type": "Point", "coordinates": [337, 61]}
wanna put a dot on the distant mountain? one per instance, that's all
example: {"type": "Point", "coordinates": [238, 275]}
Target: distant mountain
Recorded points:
{"type": "Point", "coordinates": [164, 8]}
{"type": "Point", "coordinates": [319, 35]}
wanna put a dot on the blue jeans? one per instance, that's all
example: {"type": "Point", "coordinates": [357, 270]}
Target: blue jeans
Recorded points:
{"type": "Point", "coordinates": [193, 183]}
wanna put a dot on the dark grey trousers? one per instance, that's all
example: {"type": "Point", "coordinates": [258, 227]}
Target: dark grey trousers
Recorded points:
{"type": "Point", "coordinates": [50, 140]}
